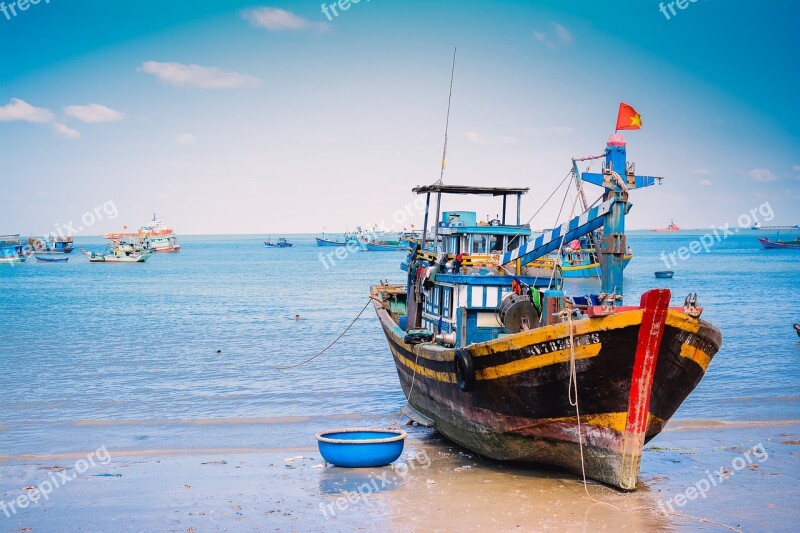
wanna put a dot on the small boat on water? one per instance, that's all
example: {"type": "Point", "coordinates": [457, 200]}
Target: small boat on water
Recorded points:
{"type": "Point", "coordinates": [281, 243]}
{"type": "Point", "coordinates": [159, 244]}
{"type": "Point", "coordinates": [797, 329]}
{"type": "Point", "coordinates": [665, 274]}
{"type": "Point", "coordinates": [672, 227]}
{"type": "Point", "coordinates": [119, 252]}
{"type": "Point", "coordinates": [50, 259]}
{"type": "Point", "coordinates": [11, 251]}
{"type": "Point", "coordinates": [507, 365]}
{"type": "Point", "coordinates": [348, 238]}
{"type": "Point", "coordinates": [51, 244]}
{"type": "Point", "coordinates": [772, 245]}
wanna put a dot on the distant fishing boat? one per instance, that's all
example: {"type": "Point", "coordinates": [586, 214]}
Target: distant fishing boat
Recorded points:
{"type": "Point", "coordinates": [51, 259]}
{"type": "Point", "coordinates": [758, 226]}
{"type": "Point", "coordinates": [770, 245]}
{"type": "Point", "coordinates": [51, 244]}
{"type": "Point", "coordinates": [11, 250]}
{"type": "Point", "coordinates": [348, 238]}
{"type": "Point", "coordinates": [578, 260]}
{"type": "Point", "coordinates": [385, 246]}
{"type": "Point", "coordinates": [500, 361]}
{"type": "Point", "coordinates": [665, 274]}
{"type": "Point", "coordinates": [672, 227]}
{"type": "Point", "coordinates": [282, 243]}
{"type": "Point", "coordinates": [154, 229]}
{"type": "Point", "coordinates": [159, 244]}
{"type": "Point", "coordinates": [121, 252]}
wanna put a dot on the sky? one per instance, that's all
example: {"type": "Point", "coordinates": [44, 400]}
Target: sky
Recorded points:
{"type": "Point", "coordinates": [262, 118]}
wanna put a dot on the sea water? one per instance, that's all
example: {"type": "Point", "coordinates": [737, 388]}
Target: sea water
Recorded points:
{"type": "Point", "coordinates": [184, 351]}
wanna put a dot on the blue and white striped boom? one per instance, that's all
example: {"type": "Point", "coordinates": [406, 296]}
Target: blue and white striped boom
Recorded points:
{"type": "Point", "coordinates": [553, 239]}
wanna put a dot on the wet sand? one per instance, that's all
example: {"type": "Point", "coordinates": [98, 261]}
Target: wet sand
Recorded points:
{"type": "Point", "coordinates": [434, 486]}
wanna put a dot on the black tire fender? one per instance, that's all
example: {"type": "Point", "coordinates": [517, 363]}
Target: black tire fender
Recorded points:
{"type": "Point", "coordinates": [464, 370]}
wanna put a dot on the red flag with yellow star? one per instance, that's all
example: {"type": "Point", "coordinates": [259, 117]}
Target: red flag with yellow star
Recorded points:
{"type": "Point", "coordinates": [628, 118]}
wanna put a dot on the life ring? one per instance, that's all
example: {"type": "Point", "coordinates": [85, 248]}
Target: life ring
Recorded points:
{"type": "Point", "coordinates": [464, 369]}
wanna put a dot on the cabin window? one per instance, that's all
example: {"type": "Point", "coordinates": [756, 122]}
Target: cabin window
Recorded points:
{"type": "Point", "coordinates": [479, 244]}
{"type": "Point", "coordinates": [496, 243]}
{"type": "Point", "coordinates": [446, 303]}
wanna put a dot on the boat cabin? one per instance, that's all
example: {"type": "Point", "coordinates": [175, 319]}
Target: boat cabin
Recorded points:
{"type": "Point", "coordinates": [456, 289]}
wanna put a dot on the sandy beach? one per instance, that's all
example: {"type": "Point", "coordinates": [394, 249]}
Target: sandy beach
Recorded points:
{"type": "Point", "coordinates": [434, 486]}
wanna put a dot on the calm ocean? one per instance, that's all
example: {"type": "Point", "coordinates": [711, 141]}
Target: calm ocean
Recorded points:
{"type": "Point", "coordinates": [124, 356]}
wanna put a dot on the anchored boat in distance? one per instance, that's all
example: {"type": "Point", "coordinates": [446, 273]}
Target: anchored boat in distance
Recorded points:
{"type": "Point", "coordinates": [502, 362]}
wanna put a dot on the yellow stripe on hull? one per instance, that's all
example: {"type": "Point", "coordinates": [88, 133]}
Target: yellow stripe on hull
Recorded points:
{"type": "Point", "coordinates": [697, 355]}
{"type": "Point", "coordinates": [539, 361]}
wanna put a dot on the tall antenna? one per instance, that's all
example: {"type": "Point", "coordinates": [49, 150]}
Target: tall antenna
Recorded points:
{"type": "Point", "coordinates": [447, 124]}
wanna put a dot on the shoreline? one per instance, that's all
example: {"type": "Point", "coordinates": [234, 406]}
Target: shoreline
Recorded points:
{"type": "Point", "coordinates": [289, 489]}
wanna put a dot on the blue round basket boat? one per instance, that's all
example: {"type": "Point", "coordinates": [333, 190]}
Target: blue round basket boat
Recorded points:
{"type": "Point", "coordinates": [361, 447]}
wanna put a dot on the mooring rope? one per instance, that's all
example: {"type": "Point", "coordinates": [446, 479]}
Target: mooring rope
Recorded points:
{"type": "Point", "coordinates": [328, 347]}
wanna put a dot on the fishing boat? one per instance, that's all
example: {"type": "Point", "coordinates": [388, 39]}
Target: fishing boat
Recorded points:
{"type": "Point", "coordinates": [672, 227]}
{"type": "Point", "coordinates": [578, 260]}
{"type": "Point", "coordinates": [11, 250]}
{"type": "Point", "coordinates": [282, 243]}
{"type": "Point", "coordinates": [51, 244]}
{"type": "Point", "coordinates": [118, 252]}
{"type": "Point", "coordinates": [385, 246]}
{"type": "Point", "coordinates": [158, 244]}
{"type": "Point", "coordinates": [154, 229]}
{"type": "Point", "coordinates": [506, 364]}
{"type": "Point", "coordinates": [771, 245]}
{"type": "Point", "coordinates": [665, 274]}
{"type": "Point", "coordinates": [348, 238]}
{"type": "Point", "coordinates": [50, 259]}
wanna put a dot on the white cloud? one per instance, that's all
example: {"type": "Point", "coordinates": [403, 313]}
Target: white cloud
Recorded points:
{"type": "Point", "coordinates": [762, 175]}
{"type": "Point", "coordinates": [180, 75]}
{"type": "Point", "coordinates": [562, 33]}
{"type": "Point", "coordinates": [185, 139]}
{"type": "Point", "coordinates": [93, 113]}
{"type": "Point", "coordinates": [274, 19]}
{"type": "Point", "coordinates": [18, 109]}
{"type": "Point", "coordinates": [705, 183]}
{"type": "Point", "coordinates": [65, 131]}
{"type": "Point", "coordinates": [550, 39]}
{"type": "Point", "coordinates": [542, 38]}
{"type": "Point", "coordinates": [477, 138]}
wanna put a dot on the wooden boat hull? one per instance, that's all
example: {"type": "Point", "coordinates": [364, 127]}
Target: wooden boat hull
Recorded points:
{"type": "Point", "coordinates": [770, 245]}
{"type": "Point", "coordinates": [664, 274]}
{"type": "Point", "coordinates": [52, 259]}
{"type": "Point", "coordinates": [519, 409]}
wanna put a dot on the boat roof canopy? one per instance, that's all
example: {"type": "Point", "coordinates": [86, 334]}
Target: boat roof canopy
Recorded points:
{"type": "Point", "coordinates": [467, 189]}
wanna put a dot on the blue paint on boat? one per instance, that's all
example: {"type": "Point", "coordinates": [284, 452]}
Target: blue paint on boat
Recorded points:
{"type": "Point", "coordinates": [361, 447]}
{"type": "Point", "coordinates": [665, 274]}
{"type": "Point", "coordinates": [46, 259]}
